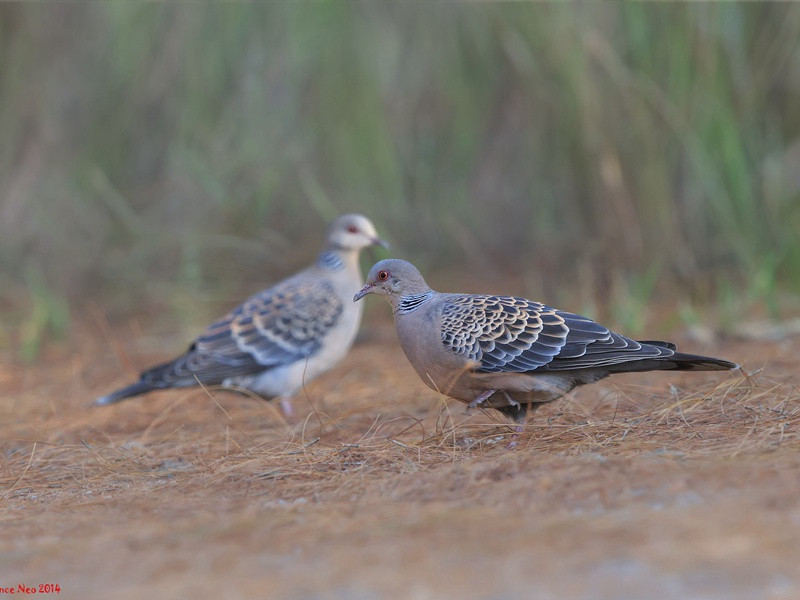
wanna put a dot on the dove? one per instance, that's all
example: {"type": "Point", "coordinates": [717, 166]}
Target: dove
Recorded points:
{"type": "Point", "coordinates": [509, 353]}
{"type": "Point", "coordinates": [282, 337]}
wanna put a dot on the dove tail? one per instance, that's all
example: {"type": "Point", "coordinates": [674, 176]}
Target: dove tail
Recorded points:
{"type": "Point", "coordinates": [694, 362]}
{"type": "Point", "coordinates": [135, 389]}
{"type": "Point", "coordinates": [176, 373]}
{"type": "Point", "coordinates": [674, 361]}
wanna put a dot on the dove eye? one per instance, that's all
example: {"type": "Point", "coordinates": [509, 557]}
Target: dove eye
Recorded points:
{"type": "Point", "coordinates": [352, 229]}
{"type": "Point", "coordinates": [383, 275]}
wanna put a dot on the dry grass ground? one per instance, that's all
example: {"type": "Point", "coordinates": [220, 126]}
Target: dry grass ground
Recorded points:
{"type": "Point", "coordinates": [650, 486]}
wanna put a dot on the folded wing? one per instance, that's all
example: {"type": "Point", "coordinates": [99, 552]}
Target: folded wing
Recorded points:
{"type": "Point", "coordinates": [275, 327]}
{"type": "Point", "coordinates": [515, 335]}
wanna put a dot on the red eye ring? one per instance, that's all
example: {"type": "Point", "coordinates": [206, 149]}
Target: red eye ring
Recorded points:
{"type": "Point", "coordinates": [352, 229]}
{"type": "Point", "coordinates": [383, 275]}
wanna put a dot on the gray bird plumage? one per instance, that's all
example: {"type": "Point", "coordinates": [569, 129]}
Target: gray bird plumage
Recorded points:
{"type": "Point", "coordinates": [510, 353]}
{"type": "Point", "coordinates": [281, 337]}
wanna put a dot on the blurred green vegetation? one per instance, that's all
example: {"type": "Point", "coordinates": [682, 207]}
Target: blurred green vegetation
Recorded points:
{"type": "Point", "coordinates": [612, 153]}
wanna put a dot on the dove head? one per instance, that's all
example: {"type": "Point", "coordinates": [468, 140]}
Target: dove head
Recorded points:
{"type": "Point", "coordinates": [395, 279]}
{"type": "Point", "coordinates": [353, 232]}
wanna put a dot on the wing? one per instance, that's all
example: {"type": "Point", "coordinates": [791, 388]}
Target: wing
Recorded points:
{"type": "Point", "coordinates": [275, 327]}
{"type": "Point", "coordinates": [503, 333]}
{"type": "Point", "coordinates": [508, 334]}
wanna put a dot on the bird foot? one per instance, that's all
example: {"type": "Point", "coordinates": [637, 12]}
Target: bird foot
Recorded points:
{"type": "Point", "coordinates": [481, 398]}
{"type": "Point", "coordinates": [514, 437]}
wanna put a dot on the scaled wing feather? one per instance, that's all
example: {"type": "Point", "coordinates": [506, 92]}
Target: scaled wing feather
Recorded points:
{"type": "Point", "coordinates": [515, 335]}
{"type": "Point", "coordinates": [275, 327]}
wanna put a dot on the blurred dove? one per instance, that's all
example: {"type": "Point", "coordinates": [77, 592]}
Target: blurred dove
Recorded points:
{"type": "Point", "coordinates": [282, 337]}
{"type": "Point", "coordinates": [509, 353]}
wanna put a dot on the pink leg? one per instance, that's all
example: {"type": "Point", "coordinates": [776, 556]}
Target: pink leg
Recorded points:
{"type": "Point", "coordinates": [286, 406]}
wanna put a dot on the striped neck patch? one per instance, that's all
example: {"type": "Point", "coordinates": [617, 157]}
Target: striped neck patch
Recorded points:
{"type": "Point", "coordinates": [411, 302]}
{"type": "Point", "coordinates": [330, 261]}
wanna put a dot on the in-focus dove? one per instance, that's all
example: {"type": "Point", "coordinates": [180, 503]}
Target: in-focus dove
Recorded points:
{"type": "Point", "coordinates": [509, 353]}
{"type": "Point", "coordinates": [282, 337]}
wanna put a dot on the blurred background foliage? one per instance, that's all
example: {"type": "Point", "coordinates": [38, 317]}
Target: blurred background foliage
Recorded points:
{"type": "Point", "coordinates": [158, 157]}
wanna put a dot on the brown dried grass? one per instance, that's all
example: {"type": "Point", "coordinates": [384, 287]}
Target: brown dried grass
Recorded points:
{"type": "Point", "coordinates": [655, 485]}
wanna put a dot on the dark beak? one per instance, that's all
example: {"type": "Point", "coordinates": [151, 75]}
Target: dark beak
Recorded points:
{"type": "Point", "coordinates": [380, 242]}
{"type": "Point", "coordinates": [362, 292]}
